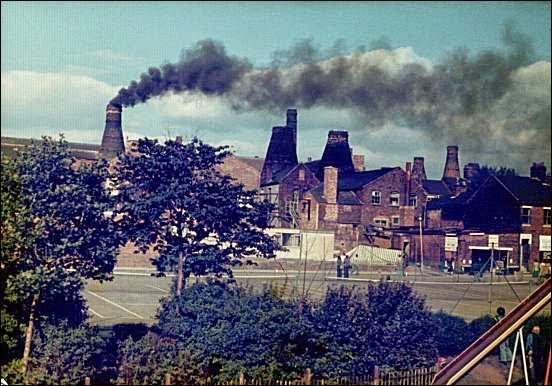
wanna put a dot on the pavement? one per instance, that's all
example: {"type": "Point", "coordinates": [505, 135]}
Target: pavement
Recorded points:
{"type": "Point", "coordinates": [133, 295]}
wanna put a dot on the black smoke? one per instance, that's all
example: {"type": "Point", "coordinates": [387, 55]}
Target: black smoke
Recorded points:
{"type": "Point", "coordinates": [466, 98]}
{"type": "Point", "coordinates": [205, 68]}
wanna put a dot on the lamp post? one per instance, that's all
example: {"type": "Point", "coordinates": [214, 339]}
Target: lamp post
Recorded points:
{"type": "Point", "coordinates": [420, 218]}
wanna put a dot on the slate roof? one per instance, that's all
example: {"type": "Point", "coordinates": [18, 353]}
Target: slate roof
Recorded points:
{"type": "Point", "coordinates": [357, 180]}
{"type": "Point", "coordinates": [313, 165]}
{"type": "Point", "coordinates": [449, 201]}
{"type": "Point", "coordinates": [343, 197]}
{"type": "Point", "coordinates": [528, 191]}
{"type": "Point", "coordinates": [437, 187]}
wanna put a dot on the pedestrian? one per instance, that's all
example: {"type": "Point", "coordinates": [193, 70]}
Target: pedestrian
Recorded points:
{"type": "Point", "coordinates": [535, 355]}
{"type": "Point", "coordinates": [347, 266]}
{"type": "Point", "coordinates": [338, 266]}
{"type": "Point", "coordinates": [505, 353]}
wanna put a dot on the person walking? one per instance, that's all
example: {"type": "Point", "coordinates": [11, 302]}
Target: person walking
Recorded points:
{"type": "Point", "coordinates": [338, 266]}
{"type": "Point", "coordinates": [505, 353]}
{"type": "Point", "coordinates": [347, 266]}
{"type": "Point", "coordinates": [535, 355]}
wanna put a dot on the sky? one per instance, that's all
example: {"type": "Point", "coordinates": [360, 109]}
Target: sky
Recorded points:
{"type": "Point", "coordinates": [62, 62]}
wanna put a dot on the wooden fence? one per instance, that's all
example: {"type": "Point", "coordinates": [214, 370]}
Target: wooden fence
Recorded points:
{"type": "Point", "coordinates": [422, 376]}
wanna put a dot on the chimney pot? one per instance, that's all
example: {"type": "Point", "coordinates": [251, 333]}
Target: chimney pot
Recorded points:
{"type": "Point", "coordinates": [538, 171]}
{"type": "Point", "coordinates": [358, 162]}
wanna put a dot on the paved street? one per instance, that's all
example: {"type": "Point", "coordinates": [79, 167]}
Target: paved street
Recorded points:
{"type": "Point", "coordinates": [133, 295]}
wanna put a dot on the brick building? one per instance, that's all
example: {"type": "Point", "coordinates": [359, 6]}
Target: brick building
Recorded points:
{"type": "Point", "coordinates": [508, 217]}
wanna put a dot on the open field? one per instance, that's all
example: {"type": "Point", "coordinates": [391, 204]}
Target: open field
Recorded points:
{"type": "Point", "coordinates": [133, 296]}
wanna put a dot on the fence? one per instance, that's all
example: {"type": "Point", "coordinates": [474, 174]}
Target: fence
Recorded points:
{"type": "Point", "coordinates": [421, 376]}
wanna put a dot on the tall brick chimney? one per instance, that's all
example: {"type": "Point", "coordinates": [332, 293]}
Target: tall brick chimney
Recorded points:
{"type": "Point", "coordinates": [358, 162]}
{"type": "Point", "coordinates": [538, 171]}
{"type": "Point", "coordinates": [113, 143]}
{"type": "Point", "coordinates": [337, 153]}
{"type": "Point", "coordinates": [452, 168]}
{"type": "Point", "coordinates": [418, 169]}
{"type": "Point", "coordinates": [291, 121]}
{"type": "Point", "coordinates": [281, 153]}
{"type": "Point", "coordinates": [330, 184]}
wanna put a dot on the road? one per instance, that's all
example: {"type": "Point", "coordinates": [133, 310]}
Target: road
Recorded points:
{"type": "Point", "coordinates": [133, 296]}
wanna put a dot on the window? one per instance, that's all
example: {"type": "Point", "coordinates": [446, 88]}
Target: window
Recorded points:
{"type": "Point", "coordinates": [307, 208]}
{"type": "Point", "coordinates": [412, 200]}
{"type": "Point", "coordinates": [396, 220]}
{"type": "Point", "coordinates": [526, 216]}
{"type": "Point", "coordinates": [394, 199]}
{"type": "Point", "coordinates": [301, 176]}
{"type": "Point", "coordinates": [547, 216]}
{"type": "Point", "coordinates": [381, 222]}
{"type": "Point", "coordinates": [291, 239]}
{"type": "Point", "coordinates": [347, 208]}
{"type": "Point", "coordinates": [376, 198]}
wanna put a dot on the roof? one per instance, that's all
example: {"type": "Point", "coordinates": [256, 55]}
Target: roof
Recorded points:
{"type": "Point", "coordinates": [254, 162]}
{"type": "Point", "coordinates": [357, 180]}
{"type": "Point", "coordinates": [280, 175]}
{"type": "Point", "coordinates": [449, 201]}
{"type": "Point", "coordinates": [343, 197]}
{"type": "Point", "coordinates": [86, 151]}
{"type": "Point", "coordinates": [437, 187]}
{"type": "Point", "coordinates": [313, 165]}
{"type": "Point", "coordinates": [528, 191]}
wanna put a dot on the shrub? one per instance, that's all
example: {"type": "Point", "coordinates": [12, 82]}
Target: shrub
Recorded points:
{"type": "Point", "coordinates": [63, 354]}
{"type": "Point", "coordinates": [451, 334]}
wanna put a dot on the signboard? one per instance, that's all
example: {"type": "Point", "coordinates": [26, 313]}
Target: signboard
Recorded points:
{"type": "Point", "coordinates": [544, 243]}
{"type": "Point", "coordinates": [451, 243]}
{"type": "Point", "coordinates": [493, 239]}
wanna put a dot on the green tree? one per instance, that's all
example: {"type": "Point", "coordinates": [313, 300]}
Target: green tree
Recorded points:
{"type": "Point", "coordinates": [66, 233]}
{"type": "Point", "coordinates": [172, 199]}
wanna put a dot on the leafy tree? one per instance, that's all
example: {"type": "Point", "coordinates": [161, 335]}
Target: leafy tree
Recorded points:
{"type": "Point", "coordinates": [486, 171]}
{"type": "Point", "coordinates": [65, 233]}
{"type": "Point", "coordinates": [229, 330]}
{"type": "Point", "coordinates": [173, 199]}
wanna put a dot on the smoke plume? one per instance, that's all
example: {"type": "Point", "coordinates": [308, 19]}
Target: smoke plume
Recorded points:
{"type": "Point", "coordinates": [492, 102]}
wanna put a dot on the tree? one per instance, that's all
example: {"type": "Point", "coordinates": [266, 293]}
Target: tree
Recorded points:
{"type": "Point", "coordinates": [172, 199]}
{"type": "Point", "coordinates": [66, 234]}
{"type": "Point", "coordinates": [486, 171]}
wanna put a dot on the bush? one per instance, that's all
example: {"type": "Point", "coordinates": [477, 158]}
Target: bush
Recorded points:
{"type": "Point", "coordinates": [451, 333]}
{"type": "Point", "coordinates": [229, 330]}
{"type": "Point", "coordinates": [149, 359]}
{"type": "Point", "coordinates": [63, 354]}
{"type": "Point", "coordinates": [386, 326]}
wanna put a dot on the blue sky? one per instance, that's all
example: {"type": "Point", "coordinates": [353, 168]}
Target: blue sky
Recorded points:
{"type": "Point", "coordinates": [76, 54]}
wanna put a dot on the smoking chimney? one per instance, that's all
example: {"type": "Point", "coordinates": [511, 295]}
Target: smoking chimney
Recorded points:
{"type": "Point", "coordinates": [452, 168]}
{"type": "Point", "coordinates": [337, 153]}
{"type": "Point", "coordinates": [538, 171]}
{"type": "Point", "coordinates": [291, 121]}
{"type": "Point", "coordinates": [112, 140]}
{"type": "Point", "coordinates": [281, 153]}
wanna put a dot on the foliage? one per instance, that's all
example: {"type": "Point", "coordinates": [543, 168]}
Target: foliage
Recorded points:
{"type": "Point", "coordinates": [11, 372]}
{"type": "Point", "coordinates": [479, 326]}
{"type": "Point", "coordinates": [385, 326]}
{"type": "Point", "coordinates": [230, 329]}
{"type": "Point", "coordinates": [149, 359]}
{"type": "Point", "coordinates": [544, 322]}
{"type": "Point", "coordinates": [451, 334]}
{"type": "Point", "coordinates": [65, 354]}
{"type": "Point", "coordinates": [173, 199]}
{"type": "Point", "coordinates": [485, 171]}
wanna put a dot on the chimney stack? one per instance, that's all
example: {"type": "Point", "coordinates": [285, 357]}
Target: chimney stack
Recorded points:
{"type": "Point", "coordinates": [452, 168]}
{"type": "Point", "coordinates": [112, 139]}
{"type": "Point", "coordinates": [330, 184]}
{"type": "Point", "coordinates": [538, 171]}
{"type": "Point", "coordinates": [471, 170]}
{"type": "Point", "coordinates": [358, 162]}
{"type": "Point", "coordinates": [291, 121]}
{"type": "Point", "coordinates": [178, 139]}
{"type": "Point", "coordinates": [337, 153]}
{"type": "Point", "coordinates": [418, 169]}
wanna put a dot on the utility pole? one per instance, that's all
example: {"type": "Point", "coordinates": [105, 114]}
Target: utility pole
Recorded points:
{"type": "Point", "coordinates": [491, 281]}
{"type": "Point", "coordinates": [421, 246]}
